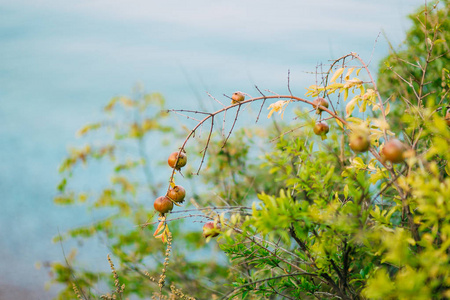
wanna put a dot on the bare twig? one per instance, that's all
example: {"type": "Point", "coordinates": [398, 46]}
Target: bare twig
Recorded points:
{"type": "Point", "coordinates": [232, 127]}
{"type": "Point", "coordinates": [264, 101]}
{"type": "Point", "coordinates": [206, 146]}
{"type": "Point", "coordinates": [215, 99]}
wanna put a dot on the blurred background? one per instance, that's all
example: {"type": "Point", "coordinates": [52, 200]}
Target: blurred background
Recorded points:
{"type": "Point", "coordinates": [61, 61]}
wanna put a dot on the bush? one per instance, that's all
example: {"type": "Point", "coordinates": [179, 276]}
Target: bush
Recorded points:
{"type": "Point", "coordinates": [362, 211]}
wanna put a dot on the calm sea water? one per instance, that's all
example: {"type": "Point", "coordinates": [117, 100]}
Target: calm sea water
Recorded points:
{"type": "Point", "coordinates": [60, 61]}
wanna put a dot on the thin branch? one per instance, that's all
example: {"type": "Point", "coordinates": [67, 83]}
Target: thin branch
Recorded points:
{"type": "Point", "coordinates": [215, 99]}
{"type": "Point", "coordinates": [232, 127]}
{"type": "Point", "coordinates": [210, 115]}
{"type": "Point", "coordinates": [264, 101]}
{"type": "Point", "coordinates": [80, 289]}
{"type": "Point", "coordinates": [288, 80]}
{"type": "Point", "coordinates": [206, 146]}
{"type": "Point", "coordinates": [373, 48]}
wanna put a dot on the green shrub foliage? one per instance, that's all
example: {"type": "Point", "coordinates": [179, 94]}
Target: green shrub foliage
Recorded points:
{"type": "Point", "coordinates": [362, 212]}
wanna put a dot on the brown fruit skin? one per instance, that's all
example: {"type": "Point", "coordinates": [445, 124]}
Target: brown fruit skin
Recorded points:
{"type": "Point", "coordinates": [447, 117]}
{"type": "Point", "coordinates": [209, 230]}
{"type": "Point", "coordinates": [393, 151]}
{"type": "Point", "coordinates": [321, 128]}
{"type": "Point", "coordinates": [177, 194]}
{"type": "Point", "coordinates": [359, 142]}
{"type": "Point", "coordinates": [237, 97]}
{"type": "Point", "coordinates": [163, 204]}
{"type": "Point", "coordinates": [173, 160]}
{"type": "Point", "coordinates": [320, 101]}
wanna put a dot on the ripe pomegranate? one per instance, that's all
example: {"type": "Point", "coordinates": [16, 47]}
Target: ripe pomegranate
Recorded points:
{"type": "Point", "coordinates": [393, 151]}
{"type": "Point", "coordinates": [320, 101]}
{"type": "Point", "coordinates": [359, 141]}
{"type": "Point", "coordinates": [321, 128]}
{"type": "Point", "coordinates": [163, 204]}
{"type": "Point", "coordinates": [447, 117]}
{"type": "Point", "coordinates": [177, 162]}
{"type": "Point", "coordinates": [237, 97]}
{"type": "Point", "coordinates": [177, 194]}
{"type": "Point", "coordinates": [209, 230]}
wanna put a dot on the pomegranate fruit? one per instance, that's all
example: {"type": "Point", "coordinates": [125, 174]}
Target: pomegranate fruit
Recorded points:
{"type": "Point", "coordinates": [393, 151]}
{"type": "Point", "coordinates": [211, 230]}
{"type": "Point", "coordinates": [359, 141]}
{"type": "Point", "coordinates": [237, 97]}
{"type": "Point", "coordinates": [163, 204]}
{"type": "Point", "coordinates": [321, 128]}
{"type": "Point", "coordinates": [177, 162]}
{"type": "Point", "coordinates": [177, 194]}
{"type": "Point", "coordinates": [320, 101]}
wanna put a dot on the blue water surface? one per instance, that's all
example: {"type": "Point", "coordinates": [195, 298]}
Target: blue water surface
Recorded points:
{"type": "Point", "coordinates": [61, 61]}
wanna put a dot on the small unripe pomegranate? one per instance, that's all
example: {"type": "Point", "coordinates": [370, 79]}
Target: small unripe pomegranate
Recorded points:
{"type": "Point", "coordinates": [209, 230]}
{"type": "Point", "coordinates": [177, 193]}
{"type": "Point", "coordinates": [447, 117]}
{"type": "Point", "coordinates": [321, 128]}
{"type": "Point", "coordinates": [237, 97]}
{"type": "Point", "coordinates": [393, 151]}
{"type": "Point", "coordinates": [177, 162]}
{"type": "Point", "coordinates": [163, 204]}
{"type": "Point", "coordinates": [359, 142]}
{"type": "Point", "coordinates": [320, 101]}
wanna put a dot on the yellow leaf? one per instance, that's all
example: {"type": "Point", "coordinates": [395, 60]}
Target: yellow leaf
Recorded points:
{"type": "Point", "coordinates": [361, 88]}
{"type": "Point", "coordinates": [357, 72]}
{"type": "Point", "coordinates": [111, 104]}
{"type": "Point", "coordinates": [337, 74]}
{"type": "Point", "coordinates": [388, 109]}
{"type": "Point", "coordinates": [349, 72]}
{"type": "Point", "coordinates": [380, 123]}
{"type": "Point", "coordinates": [278, 106]}
{"type": "Point", "coordinates": [390, 133]}
{"type": "Point", "coordinates": [350, 106]}
{"type": "Point", "coordinates": [339, 123]}
{"type": "Point", "coordinates": [126, 102]}
{"type": "Point", "coordinates": [313, 90]}
{"type": "Point", "coordinates": [371, 165]}
{"type": "Point", "coordinates": [222, 218]}
{"type": "Point", "coordinates": [353, 82]}
{"type": "Point", "coordinates": [334, 86]}
{"type": "Point", "coordinates": [358, 163]}
{"type": "Point", "coordinates": [362, 107]}
{"type": "Point", "coordinates": [159, 228]}
{"type": "Point", "coordinates": [172, 183]}
{"type": "Point", "coordinates": [354, 120]}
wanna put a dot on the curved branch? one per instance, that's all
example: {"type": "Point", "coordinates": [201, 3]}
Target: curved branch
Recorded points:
{"type": "Point", "coordinates": [213, 114]}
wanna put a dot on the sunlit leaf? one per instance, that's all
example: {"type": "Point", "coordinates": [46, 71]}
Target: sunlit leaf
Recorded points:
{"type": "Point", "coordinates": [351, 106]}
{"type": "Point", "coordinates": [337, 74]}
{"type": "Point", "coordinates": [349, 72]}
{"type": "Point", "coordinates": [388, 109]}
{"type": "Point", "coordinates": [339, 123]}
